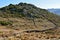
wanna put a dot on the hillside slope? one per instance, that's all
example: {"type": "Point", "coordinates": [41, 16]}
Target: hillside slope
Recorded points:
{"type": "Point", "coordinates": [27, 22]}
{"type": "Point", "coordinates": [28, 16]}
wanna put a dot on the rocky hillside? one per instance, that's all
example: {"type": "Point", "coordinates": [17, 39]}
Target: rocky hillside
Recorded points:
{"type": "Point", "coordinates": [20, 20]}
{"type": "Point", "coordinates": [27, 16]}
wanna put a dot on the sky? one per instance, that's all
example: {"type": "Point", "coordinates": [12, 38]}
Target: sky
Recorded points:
{"type": "Point", "coordinates": [46, 4]}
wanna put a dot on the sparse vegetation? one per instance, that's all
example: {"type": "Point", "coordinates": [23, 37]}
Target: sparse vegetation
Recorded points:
{"type": "Point", "coordinates": [22, 17]}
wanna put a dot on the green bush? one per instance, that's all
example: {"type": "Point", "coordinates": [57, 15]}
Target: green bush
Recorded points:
{"type": "Point", "coordinates": [4, 23]}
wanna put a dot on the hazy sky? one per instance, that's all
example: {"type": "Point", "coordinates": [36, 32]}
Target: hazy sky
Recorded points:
{"type": "Point", "coordinates": [39, 3]}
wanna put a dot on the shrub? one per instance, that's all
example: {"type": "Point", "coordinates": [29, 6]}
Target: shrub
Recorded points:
{"type": "Point", "coordinates": [4, 23]}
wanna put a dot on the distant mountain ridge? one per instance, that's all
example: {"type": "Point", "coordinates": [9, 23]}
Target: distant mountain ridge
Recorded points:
{"type": "Point", "coordinates": [56, 11]}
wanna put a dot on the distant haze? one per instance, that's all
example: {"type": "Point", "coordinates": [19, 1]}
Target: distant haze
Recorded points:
{"type": "Point", "coordinates": [56, 11]}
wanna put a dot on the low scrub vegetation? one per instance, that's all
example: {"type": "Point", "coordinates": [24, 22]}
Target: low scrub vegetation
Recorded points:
{"type": "Point", "coordinates": [5, 23]}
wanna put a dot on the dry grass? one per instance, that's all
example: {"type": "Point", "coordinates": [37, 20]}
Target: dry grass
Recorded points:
{"type": "Point", "coordinates": [13, 32]}
{"type": "Point", "coordinates": [17, 35]}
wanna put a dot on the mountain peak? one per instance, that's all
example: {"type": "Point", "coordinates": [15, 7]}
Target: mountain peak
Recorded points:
{"type": "Point", "coordinates": [22, 3]}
